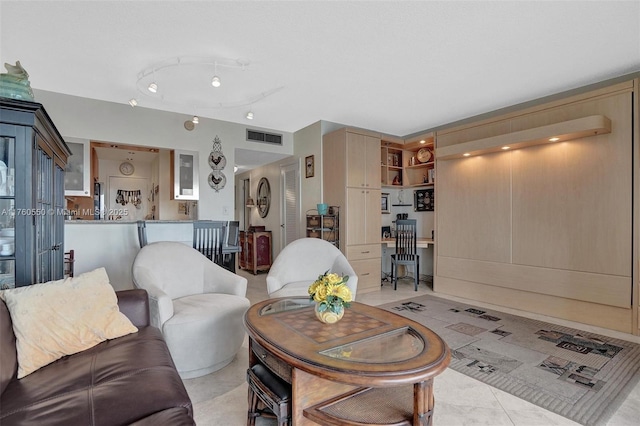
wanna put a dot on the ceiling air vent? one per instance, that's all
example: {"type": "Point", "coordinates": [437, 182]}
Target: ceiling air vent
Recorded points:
{"type": "Point", "coordinates": [271, 138]}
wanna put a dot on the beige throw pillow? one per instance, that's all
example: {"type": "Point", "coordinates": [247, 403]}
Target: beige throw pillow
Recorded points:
{"type": "Point", "coordinates": [63, 317]}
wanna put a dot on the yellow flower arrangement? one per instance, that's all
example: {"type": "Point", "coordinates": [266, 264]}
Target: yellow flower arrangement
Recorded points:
{"type": "Point", "coordinates": [331, 292]}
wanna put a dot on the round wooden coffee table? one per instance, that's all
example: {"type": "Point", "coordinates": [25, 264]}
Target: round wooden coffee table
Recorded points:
{"type": "Point", "coordinates": [372, 367]}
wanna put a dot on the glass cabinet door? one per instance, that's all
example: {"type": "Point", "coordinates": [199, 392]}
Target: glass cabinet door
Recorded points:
{"type": "Point", "coordinates": [185, 175]}
{"type": "Point", "coordinates": [7, 212]}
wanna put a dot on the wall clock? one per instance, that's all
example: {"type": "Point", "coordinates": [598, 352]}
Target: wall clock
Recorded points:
{"type": "Point", "coordinates": [126, 168]}
{"type": "Point", "coordinates": [263, 197]}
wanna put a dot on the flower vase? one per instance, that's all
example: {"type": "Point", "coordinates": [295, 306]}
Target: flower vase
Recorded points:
{"type": "Point", "coordinates": [328, 316]}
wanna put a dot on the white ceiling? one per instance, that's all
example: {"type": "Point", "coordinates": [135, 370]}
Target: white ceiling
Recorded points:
{"type": "Point", "coordinates": [397, 67]}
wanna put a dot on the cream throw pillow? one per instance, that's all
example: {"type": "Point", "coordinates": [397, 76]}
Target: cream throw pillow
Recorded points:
{"type": "Point", "coordinates": [63, 317]}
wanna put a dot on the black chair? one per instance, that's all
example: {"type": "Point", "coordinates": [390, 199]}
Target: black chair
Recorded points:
{"type": "Point", "coordinates": [209, 237]}
{"type": "Point", "coordinates": [142, 233]}
{"type": "Point", "coordinates": [406, 250]}
{"type": "Point", "coordinates": [232, 239]}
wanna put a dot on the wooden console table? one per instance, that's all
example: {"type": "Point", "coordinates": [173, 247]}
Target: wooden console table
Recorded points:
{"type": "Point", "coordinates": [372, 367]}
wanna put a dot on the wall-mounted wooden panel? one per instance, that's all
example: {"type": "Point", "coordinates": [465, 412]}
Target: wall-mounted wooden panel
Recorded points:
{"type": "Point", "coordinates": [546, 228]}
{"type": "Point", "coordinates": [474, 198]}
{"type": "Point", "coordinates": [610, 290]}
{"type": "Point", "coordinates": [572, 201]}
{"type": "Point", "coordinates": [573, 310]}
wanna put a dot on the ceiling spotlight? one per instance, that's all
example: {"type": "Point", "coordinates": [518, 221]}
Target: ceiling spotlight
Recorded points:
{"type": "Point", "coordinates": [215, 81]}
{"type": "Point", "coordinates": [554, 139]}
{"type": "Point", "coordinates": [133, 102]}
{"type": "Point", "coordinates": [250, 115]}
{"type": "Point", "coordinates": [195, 119]}
{"type": "Point", "coordinates": [505, 148]}
{"type": "Point", "coordinates": [153, 88]}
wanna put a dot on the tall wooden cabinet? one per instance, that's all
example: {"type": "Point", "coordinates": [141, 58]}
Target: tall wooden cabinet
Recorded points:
{"type": "Point", "coordinates": [32, 162]}
{"type": "Point", "coordinates": [351, 178]}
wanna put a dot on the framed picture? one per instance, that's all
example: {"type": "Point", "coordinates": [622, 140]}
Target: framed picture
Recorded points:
{"type": "Point", "coordinates": [384, 203]}
{"type": "Point", "coordinates": [309, 166]}
{"type": "Point", "coordinates": [423, 200]}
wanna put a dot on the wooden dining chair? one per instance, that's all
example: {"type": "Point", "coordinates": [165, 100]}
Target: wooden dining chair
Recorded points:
{"type": "Point", "coordinates": [209, 237]}
{"type": "Point", "coordinates": [406, 250]}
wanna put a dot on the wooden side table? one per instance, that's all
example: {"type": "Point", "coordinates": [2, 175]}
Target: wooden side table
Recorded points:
{"type": "Point", "coordinates": [256, 250]}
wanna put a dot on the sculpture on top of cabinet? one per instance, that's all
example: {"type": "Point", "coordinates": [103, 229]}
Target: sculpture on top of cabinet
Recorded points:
{"type": "Point", "coordinates": [15, 84]}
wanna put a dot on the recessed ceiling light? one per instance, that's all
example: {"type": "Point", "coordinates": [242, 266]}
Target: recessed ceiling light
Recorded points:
{"type": "Point", "coordinates": [250, 115]}
{"type": "Point", "coordinates": [505, 147]}
{"type": "Point", "coordinates": [423, 141]}
{"type": "Point", "coordinates": [215, 81]}
{"type": "Point", "coordinates": [153, 88]}
{"type": "Point", "coordinates": [466, 154]}
{"type": "Point", "coordinates": [554, 139]}
{"type": "Point", "coordinates": [133, 102]}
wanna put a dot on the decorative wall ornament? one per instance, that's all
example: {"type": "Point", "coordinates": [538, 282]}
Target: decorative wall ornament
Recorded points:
{"type": "Point", "coordinates": [217, 162]}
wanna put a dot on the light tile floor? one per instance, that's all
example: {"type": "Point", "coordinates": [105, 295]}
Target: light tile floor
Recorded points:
{"type": "Point", "coordinates": [220, 398]}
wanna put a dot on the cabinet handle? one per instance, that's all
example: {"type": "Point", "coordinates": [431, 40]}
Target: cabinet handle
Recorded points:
{"type": "Point", "coordinates": [365, 252]}
{"type": "Point", "coordinates": [365, 274]}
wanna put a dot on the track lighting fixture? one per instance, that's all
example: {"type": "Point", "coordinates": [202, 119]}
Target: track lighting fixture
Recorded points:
{"type": "Point", "coordinates": [250, 115]}
{"type": "Point", "coordinates": [153, 88]}
{"type": "Point", "coordinates": [133, 102]}
{"type": "Point", "coordinates": [215, 81]}
{"type": "Point", "coordinates": [195, 119]}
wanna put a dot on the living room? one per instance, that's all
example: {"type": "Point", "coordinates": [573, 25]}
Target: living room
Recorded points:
{"type": "Point", "coordinates": [499, 258]}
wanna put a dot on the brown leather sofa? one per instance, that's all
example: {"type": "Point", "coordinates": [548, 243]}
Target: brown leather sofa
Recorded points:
{"type": "Point", "coordinates": [130, 380]}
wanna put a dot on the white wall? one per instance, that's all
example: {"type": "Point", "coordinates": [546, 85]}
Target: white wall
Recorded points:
{"type": "Point", "coordinates": [111, 122]}
{"type": "Point", "coordinates": [115, 246]}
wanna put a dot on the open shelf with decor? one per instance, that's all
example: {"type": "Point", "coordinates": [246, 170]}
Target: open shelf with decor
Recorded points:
{"type": "Point", "coordinates": [419, 165]}
{"type": "Point", "coordinates": [391, 164]}
{"type": "Point", "coordinates": [324, 226]}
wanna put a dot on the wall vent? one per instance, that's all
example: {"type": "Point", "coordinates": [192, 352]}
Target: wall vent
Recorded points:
{"type": "Point", "coordinates": [270, 138]}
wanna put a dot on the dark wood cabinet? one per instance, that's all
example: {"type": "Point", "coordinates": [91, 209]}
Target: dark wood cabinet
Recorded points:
{"type": "Point", "coordinates": [256, 250]}
{"type": "Point", "coordinates": [33, 156]}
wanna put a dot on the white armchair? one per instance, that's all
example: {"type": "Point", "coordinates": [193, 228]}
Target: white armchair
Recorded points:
{"type": "Point", "coordinates": [301, 262]}
{"type": "Point", "coordinates": [198, 305]}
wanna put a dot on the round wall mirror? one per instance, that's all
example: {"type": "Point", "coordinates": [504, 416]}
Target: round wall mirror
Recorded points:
{"type": "Point", "coordinates": [263, 198]}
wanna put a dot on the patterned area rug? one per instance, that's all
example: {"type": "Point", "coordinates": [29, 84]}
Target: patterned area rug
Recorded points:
{"type": "Point", "coordinates": [579, 375]}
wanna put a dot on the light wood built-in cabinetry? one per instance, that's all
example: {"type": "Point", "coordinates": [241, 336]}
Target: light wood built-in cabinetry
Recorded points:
{"type": "Point", "coordinates": [407, 163]}
{"type": "Point", "coordinates": [351, 179]}
{"type": "Point", "coordinates": [546, 228]}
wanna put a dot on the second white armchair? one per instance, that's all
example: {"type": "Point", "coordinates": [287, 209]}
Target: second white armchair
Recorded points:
{"type": "Point", "coordinates": [301, 262]}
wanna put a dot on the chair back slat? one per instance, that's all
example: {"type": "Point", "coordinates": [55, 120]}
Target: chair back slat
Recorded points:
{"type": "Point", "coordinates": [142, 233]}
{"type": "Point", "coordinates": [208, 238]}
